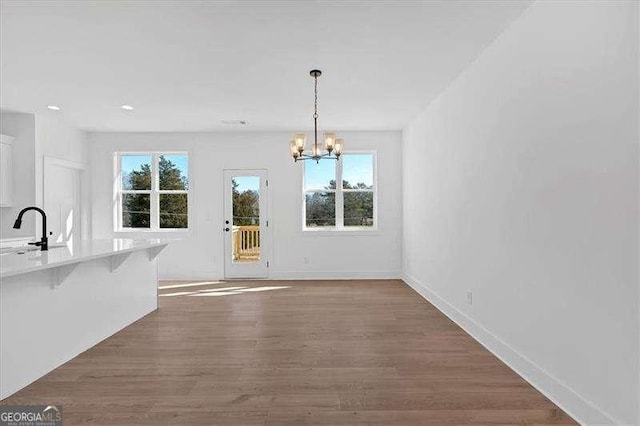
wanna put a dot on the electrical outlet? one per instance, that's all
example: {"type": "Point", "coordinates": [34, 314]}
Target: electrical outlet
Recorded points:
{"type": "Point", "coordinates": [470, 297]}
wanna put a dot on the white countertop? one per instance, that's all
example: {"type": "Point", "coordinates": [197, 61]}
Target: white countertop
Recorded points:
{"type": "Point", "coordinates": [14, 264]}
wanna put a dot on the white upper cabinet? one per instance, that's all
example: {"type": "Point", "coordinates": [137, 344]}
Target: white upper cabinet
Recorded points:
{"type": "Point", "coordinates": [6, 170]}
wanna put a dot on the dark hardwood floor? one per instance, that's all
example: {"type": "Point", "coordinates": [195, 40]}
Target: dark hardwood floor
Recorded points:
{"type": "Point", "coordinates": [291, 353]}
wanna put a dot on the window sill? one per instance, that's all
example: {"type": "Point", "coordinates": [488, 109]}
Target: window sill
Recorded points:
{"type": "Point", "coordinates": [361, 232]}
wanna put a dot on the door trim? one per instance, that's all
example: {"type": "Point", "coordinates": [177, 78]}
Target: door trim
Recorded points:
{"type": "Point", "coordinates": [47, 163]}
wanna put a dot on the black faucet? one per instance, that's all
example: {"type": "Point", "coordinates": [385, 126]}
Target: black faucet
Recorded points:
{"type": "Point", "coordinates": [44, 241]}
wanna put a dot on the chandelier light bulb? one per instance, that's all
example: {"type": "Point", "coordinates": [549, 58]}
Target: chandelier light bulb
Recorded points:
{"type": "Point", "coordinates": [329, 141]}
{"type": "Point", "coordinates": [337, 150]}
{"type": "Point", "coordinates": [295, 153]}
{"type": "Point", "coordinates": [300, 140]}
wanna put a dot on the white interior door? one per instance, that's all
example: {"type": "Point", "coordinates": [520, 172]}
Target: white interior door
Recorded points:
{"type": "Point", "coordinates": [245, 227]}
{"type": "Point", "coordinates": [62, 204]}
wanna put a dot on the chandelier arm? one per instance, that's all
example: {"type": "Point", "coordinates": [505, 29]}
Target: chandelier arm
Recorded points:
{"type": "Point", "coordinates": [317, 157]}
{"type": "Point", "coordinates": [329, 155]}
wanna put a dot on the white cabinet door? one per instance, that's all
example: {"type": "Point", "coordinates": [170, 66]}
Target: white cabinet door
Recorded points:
{"type": "Point", "coordinates": [6, 181]}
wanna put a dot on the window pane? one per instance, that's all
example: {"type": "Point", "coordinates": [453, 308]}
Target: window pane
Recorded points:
{"type": "Point", "coordinates": [136, 211]}
{"type": "Point", "coordinates": [358, 209]}
{"type": "Point", "coordinates": [173, 211]}
{"type": "Point", "coordinates": [321, 175]}
{"type": "Point", "coordinates": [136, 171]}
{"type": "Point", "coordinates": [246, 200]}
{"type": "Point", "coordinates": [320, 208]}
{"type": "Point", "coordinates": [357, 171]}
{"type": "Point", "coordinates": [174, 172]}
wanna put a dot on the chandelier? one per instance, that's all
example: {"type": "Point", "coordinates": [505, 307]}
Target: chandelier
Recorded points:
{"type": "Point", "coordinates": [330, 148]}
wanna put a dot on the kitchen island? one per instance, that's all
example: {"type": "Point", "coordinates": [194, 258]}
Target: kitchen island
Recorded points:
{"type": "Point", "coordinates": [58, 303]}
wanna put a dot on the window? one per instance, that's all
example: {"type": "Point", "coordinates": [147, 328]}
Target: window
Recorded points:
{"type": "Point", "coordinates": [351, 205]}
{"type": "Point", "coordinates": [153, 191]}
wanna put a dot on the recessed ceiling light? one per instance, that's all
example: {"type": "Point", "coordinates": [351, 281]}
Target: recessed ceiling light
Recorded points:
{"type": "Point", "coordinates": [54, 107]}
{"type": "Point", "coordinates": [127, 107]}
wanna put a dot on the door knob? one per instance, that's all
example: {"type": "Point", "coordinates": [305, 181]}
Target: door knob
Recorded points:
{"type": "Point", "coordinates": [226, 221]}
{"type": "Point", "coordinates": [226, 229]}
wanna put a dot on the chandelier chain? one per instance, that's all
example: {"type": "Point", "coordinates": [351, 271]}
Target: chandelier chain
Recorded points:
{"type": "Point", "coordinates": [315, 101]}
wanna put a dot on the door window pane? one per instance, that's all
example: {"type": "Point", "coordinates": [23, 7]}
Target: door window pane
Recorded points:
{"type": "Point", "coordinates": [136, 210]}
{"type": "Point", "coordinates": [320, 208]}
{"type": "Point", "coordinates": [246, 200]}
{"type": "Point", "coordinates": [321, 175]}
{"type": "Point", "coordinates": [358, 209]}
{"type": "Point", "coordinates": [357, 171]}
{"type": "Point", "coordinates": [173, 171]}
{"type": "Point", "coordinates": [135, 172]}
{"type": "Point", "coordinates": [173, 211]}
{"type": "Point", "coordinates": [245, 234]}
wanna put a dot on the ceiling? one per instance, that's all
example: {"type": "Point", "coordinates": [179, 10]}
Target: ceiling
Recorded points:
{"type": "Point", "coordinates": [186, 66]}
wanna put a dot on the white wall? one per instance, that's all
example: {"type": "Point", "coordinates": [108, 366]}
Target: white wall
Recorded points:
{"type": "Point", "coordinates": [22, 128]}
{"type": "Point", "coordinates": [38, 136]}
{"type": "Point", "coordinates": [521, 185]}
{"type": "Point", "coordinates": [199, 254]}
{"type": "Point", "coordinates": [55, 139]}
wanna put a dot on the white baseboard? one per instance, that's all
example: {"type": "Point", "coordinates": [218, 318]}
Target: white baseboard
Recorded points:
{"type": "Point", "coordinates": [298, 275]}
{"type": "Point", "coordinates": [563, 396]}
{"type": "Point", "coordinates": [332, 275]}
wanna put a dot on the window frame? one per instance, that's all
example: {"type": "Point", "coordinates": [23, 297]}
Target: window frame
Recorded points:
{"type": "Point", "coordinates": [339, 198]}
{"type": "Point", "coordinates": [154, 192]}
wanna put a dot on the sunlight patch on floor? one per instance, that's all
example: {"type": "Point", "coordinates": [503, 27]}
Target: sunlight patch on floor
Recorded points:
{"type": "Point", "coordinates": [192, 284]}
{"type": "Point", "coordinates": [187, 293]}
{"type": "Point", "coordinates": [223, 291]}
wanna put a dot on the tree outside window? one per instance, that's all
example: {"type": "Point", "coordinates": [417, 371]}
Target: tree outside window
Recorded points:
{"type": "Point", "coordinates": [246, 200]}
{"type": "Point", "coordinates": [154, 191]}
{"type": "Point", "coordinates": [348, 206]}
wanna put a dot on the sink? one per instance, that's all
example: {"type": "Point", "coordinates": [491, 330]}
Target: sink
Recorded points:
{"type": "Point", "coordinates": [15, 250]}
{"type": "Point", "coordinates": [27, 249]}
